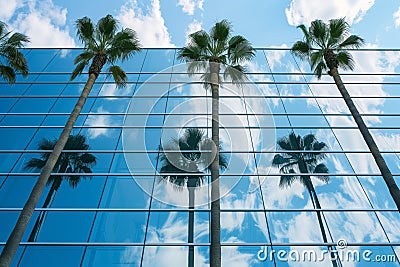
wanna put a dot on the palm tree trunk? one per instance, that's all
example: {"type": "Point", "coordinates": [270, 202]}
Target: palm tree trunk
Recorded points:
{"type": "Point", "coordinates": [314, 198]}
{"type": "Point", "coordinates": [50, 195]}
{"type": "Point", "coordinates": [16, 235]}
{"type": "Point", "coordinates": [380, 161]}
{"type": "Point", "coordinates": [317, 206]}
{"type": "Point", "coordinates": [215, 247]}
{"type": "Point", "coordinates": [191, 224]}
{"type": "Point", "coordinates": [39, 221]}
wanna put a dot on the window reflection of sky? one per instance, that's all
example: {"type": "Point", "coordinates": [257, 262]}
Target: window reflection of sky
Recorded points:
{"type": "Point", "coordinates": [251, 192]}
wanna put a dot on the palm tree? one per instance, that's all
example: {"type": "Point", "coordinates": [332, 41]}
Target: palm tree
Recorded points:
{"type": "Point", "coordinates": [183, 166]}
{"type": "Point", "coordinates": [209, 52]}
{"type": "Point", "coordinates": [303, 162]}
{"type": "Point", "coordinates": [73, 162]}
{"type": "Point", "coordinates": [15, 61]}
{"type": "Point", "coordinates": [324, 46]}
{"type": "Point", "coordinates": [102, 45]}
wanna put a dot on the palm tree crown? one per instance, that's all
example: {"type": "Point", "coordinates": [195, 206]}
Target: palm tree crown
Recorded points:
{"type": "Point", "coordinates": [182, 164]}
{"type": "Point", "coordinates": [218, 46]}
{"type": "Point", "coordinates": [324, 45]}
{"type": "Point", "coordinates": [304, 155]}
{"type": "Point", "coordinates": [69, 162]}
{"type": "Point", "coordinates": [15, 61]}
{"type": "Point", "coordinates": [307, 161]}
{"type": "Point", "coordinates": [103, 44]}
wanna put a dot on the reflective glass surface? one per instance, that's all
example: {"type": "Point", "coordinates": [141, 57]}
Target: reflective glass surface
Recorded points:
{"type": "Point", "coordinates": [123, 210]}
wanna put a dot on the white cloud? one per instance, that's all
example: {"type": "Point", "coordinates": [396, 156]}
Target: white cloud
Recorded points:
{"type": "Point", "coordinates": [150, 27]}
{"type": "Point", "coordinates": [305, 11]}
{"type": "Point", "coordinates": [193, 27]}
{"type": "Point", "coordinates": [98, 120]}
{"type": "Point", "coordinates": [44, 23]}
{"type": "Point", "coordinates": [8, 8]}
{"type": "Point", "coordinates": [112, 90]}
{"type": "Point", "coordinates": [275, 56]}
{"type": "Point", "coordinates": [173, 229]}
{"type": "Point", "coordinates": [188, 6]}
{"type": "Point", "coordinates": [396, 16]}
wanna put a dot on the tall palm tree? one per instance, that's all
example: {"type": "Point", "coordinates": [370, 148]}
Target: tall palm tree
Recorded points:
{"type": "Point", "coordinates": [209, 52]}
{"type": "Point", "coordinates": [324, 46]}
{"type": "Point", "coordinates": [303, 162]}
{"type": "Point", "coordinates": [103, 44]}
{"type": "Point", "coordinates": [183, 166]}
{"type": "Point", "coordinates": [73, 162]}
{"type": "Point", "coordinates": [14, 60]}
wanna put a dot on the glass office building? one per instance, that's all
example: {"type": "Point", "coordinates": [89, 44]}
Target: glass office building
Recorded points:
{"type": "Point", "coordinates": [124, 213]}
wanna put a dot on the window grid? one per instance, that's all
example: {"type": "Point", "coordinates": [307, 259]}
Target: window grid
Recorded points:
{"type": "Point", "coordinates": [288, 90]}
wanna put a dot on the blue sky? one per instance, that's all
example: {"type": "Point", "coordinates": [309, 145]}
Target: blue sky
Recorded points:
{"type": "Point", "coordinates": [50, 23]}
{"type": "Point", "coordinates": [266, 23]}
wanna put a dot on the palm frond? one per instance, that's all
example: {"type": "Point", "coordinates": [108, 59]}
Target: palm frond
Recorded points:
{"type": "Point", "coordinates": [199, 39]}
{"type": "Point", "coordinates": [10, 43]}
{"type": "Point", "coordinates": [46, 144]}
{"type": "Point", "coordinates": [296, 142]}
{"type": "Point", "coordinates": [301, 49]}
{"type": "Point", "coordinates": [317, 146]}
{"type": "Point", "coordinates": [119, 76]}
{"type": "Point", "coordinates": [8, 74]}
{"type": "Point", "coordinates": [353, 41]}
{"type": "Point", "coordinates": [85, 30]}
{"type": "Point", "coordinates": [308, 141]}
{"type": "Point", "coordinates": [123, 45]}
{"type": "Point", "coordinates": [223, 161]}
{"type": "Point", "coordinates": [319, 69]}
{"type": "Point", "coordinates": [85, 56]}
{"type": "Point", "coordinates": [192, 53]}
{"type": "Point", "coordinates": [206, 78]}
{"type": "Point", "coordinates": [316, 58]}
{"type": "Point", "coordinates": [284, 143]}
{"type": "Point", "coordinates": [19, 63]}
{"type": "Point", "coordinates": [196, 67]}
{"type": "Point", "coordinates": [338, 29]}
{"type": "Point", "coordinates": [235, 74]}
{"type": "Point", "coordinates": [279, 160]}
{"type": "Point", "coordinates": [3, 29]}
{"type": "Point", "coordinates": [106, 28]}
{"type": "Point", "coordinates": [192, 137]}
{"type": "Point", "coordinates": [306, 34]}
{"type": "Point", "coordinates": [345, 60]}
{"type": "Point", "coordinates": [78, 69]}
{"type": "Point", "coordinates": [240, 50]}
{"type": "Point", "coordinates": [34, 163]}
{"type": "Point", "coordinates": [319, 33]}
{"type": "Point", "coordinates": [17, 40]}
{"type": "Point", "coordinates": [220, 31]}
{"type": "Point", "coordinates": [287, 180]}
{"type": "Point", "coordinates": [322, 168]}
{"type": "Point", "coordinates": [88, 158]}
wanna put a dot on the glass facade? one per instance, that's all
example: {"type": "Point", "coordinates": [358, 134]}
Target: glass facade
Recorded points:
{"type": "Point", "coordinates": [123, 213]}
